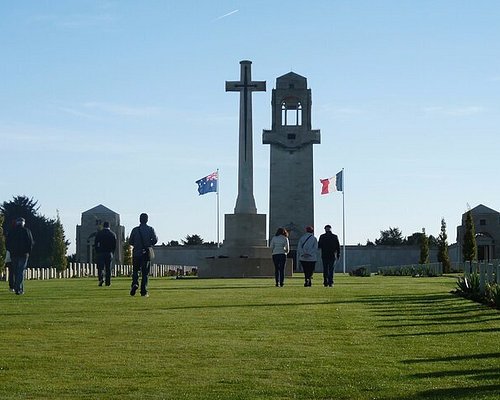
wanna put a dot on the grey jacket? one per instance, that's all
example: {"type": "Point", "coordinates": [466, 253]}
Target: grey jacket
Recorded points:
{"type": "Point", "coordinates": [307, 248]}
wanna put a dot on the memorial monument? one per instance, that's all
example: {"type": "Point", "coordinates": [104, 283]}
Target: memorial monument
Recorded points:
{"type": "Point", "coordinates": [291, 185]}
{"type": "Point", "coordinates": [92, 221]}
{"type": "Point", "coordinates": [245, 229]}
{"type": "Point", "coordinates": [244, 252]}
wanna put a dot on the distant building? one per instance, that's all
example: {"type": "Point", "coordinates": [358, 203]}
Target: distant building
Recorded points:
{"type": "Point", "coordinates": [487, 226]}
{"type": "Point", "coordinates": [92, 221]}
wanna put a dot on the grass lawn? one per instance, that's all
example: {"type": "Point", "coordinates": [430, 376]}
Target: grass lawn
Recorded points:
{"type": "Point", "coordinates": [366, 338]}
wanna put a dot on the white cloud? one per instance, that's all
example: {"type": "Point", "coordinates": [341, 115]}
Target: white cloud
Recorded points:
{"type": "Point", "coordinates": [124, 110]}
{"type": "Point", "coordinates": [339, 112]}
{"type": "Point", "coordinates": [77, 113]}
{"type": "Point", "coordinates": [48, 139]}
{"type": "Point", "coordinates": [83, 21]}
{"type": "Point", "coordinates": [101, 18]}
{"type": "Point", "coordinates": [455, 111]}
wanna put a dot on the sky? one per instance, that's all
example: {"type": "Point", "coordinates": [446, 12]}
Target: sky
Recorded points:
{"type": "Point", "coordinates": [123, 103]}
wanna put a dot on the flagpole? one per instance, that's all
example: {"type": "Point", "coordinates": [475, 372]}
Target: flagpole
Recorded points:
{"type": "Point", "coordinates": [218, 208]}
{"type": "Point", "coordinates": [343, 218]}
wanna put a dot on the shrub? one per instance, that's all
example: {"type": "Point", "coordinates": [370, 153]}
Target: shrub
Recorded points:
{"type": "Point", "coordinates": [468, 286]}
{"type": "Point", "coordinates": [361, 271]}
{"type": "Point", "coordinates": [409, 270]}
{"type": "Point", "coordinates": [492, 295]}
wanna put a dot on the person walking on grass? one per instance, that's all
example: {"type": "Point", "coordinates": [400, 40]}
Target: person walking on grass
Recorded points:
{"type": "Point", "coordinates": [105, 246]}
{"type": "Point", "coordinates": [307, 254]}
{"type": "Point", "coordinates": [142, 239]}
{"type": "Point", "coordinates": [279, 247]}
{"type": "Point", "coordinates": [10, 270]}
{"type": "Point", "coordinates": [330, 252]}
{"type": "Point", "coordinates": [19, 243]}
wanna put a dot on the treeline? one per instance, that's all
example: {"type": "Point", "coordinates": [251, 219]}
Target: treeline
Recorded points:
{"type": "Point", "coordinates": [50, 243]}
{"type": "Point", "coordinates": [394, 237]}
{"type": "Point", "coordinates": [190, 240]}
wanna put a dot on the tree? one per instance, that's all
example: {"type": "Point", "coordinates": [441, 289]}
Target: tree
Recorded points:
{"type": "Point", "coordinates": [433, 242]}
{"type": "Point", "coordinates": [43, 229]}
{"type": "Point", "coordinates": [192, 240]}
{"type": "Point", "coordinates": [414, 239]}
{"type": "Point", "coordinates": [173, 243]}
{"type": "Point", "coordinates": [2, 246]}
{"type": "Point", "coordinates": [127, 253]}
{"type": "Point", "coordinates": [390, 237]}
{"type": "Point", "coordinates": [469, 245]}
{"type": "Point", "coordinates": [424, 248]}
{"type": "Point", "coordinates": [20, 206]}
{"type": "Point", "coordinates": [60, 247]}
{"type": "Point", "coordinates": [442, 244]}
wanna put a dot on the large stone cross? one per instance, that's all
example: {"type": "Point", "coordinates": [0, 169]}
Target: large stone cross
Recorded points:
{"type": "Point", "coordinates": [245, 203]}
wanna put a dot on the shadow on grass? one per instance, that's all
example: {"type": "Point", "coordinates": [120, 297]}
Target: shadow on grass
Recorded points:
{"type": "Point", "coordinates": [442, 309]}
{"type": "Point", "coordinates": [411, 299]}
{"type": "Point", "coordinates": [480, 356]}
{"type": "Point", "coordinates": [426, 311]}
{"type": "Point", "coordinates": [469, 392]}
{"type": "Point", "coordinates": [437, 322]}
{"type": "Point", "coordinates": [488, 372]}
{"type": "Point", "coordinates": [221, 287]}
{"type": "Point", "coordinates": [485, 330]}
{"type": "Point", "coordinates": [194, 307]}
{"type": "Point", "coordinates": [474, 374]}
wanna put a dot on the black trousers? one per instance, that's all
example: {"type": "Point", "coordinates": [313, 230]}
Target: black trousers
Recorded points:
{"type": "Point", "coordinates": [104, 267]}
{"type": "Point", "coordinates": [328, 270]}
{"type": "Point", "coordinates": [140, 264]}
{"type": "Point", "coordinates": [308, 267]}
{"type": "Point", "coordinates": [279, 268]}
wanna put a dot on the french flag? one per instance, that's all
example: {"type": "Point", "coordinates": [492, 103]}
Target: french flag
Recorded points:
{"type": "Point", "coordinates": [333, 184]}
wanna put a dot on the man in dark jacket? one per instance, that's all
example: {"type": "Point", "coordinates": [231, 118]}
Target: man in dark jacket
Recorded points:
{"type": "Point", "coordinates": [330, 252]}
{"type": "Point", "coordinates": [105, 246]}
{"type": "Point", "coordinates": [19, 243]}
{"type": "Point", "coordinates": [141, 238]}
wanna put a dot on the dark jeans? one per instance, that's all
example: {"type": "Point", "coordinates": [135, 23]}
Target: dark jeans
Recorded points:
{"type": "Point", "coordinates": [279, 261]}
{"type": "Point", "coordinates": [19, 264]}
{"type": "Point", "coordinates": [104, 267]}
{"type": "Point", "coordinates": [308, 267]}
{"type": "Point", "coordinates": [328, 270]}
{"type": "Point", "coordinates": [144, 266]}
{"type": "Point", "coordinates": [12, 275]}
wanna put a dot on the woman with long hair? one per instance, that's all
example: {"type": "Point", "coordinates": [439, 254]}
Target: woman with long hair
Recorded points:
{"type": "Point", "coordinates": [280, 247]}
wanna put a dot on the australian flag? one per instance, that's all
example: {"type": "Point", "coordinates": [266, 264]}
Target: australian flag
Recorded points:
{"type": "Point", "coordinates": [208, 183]}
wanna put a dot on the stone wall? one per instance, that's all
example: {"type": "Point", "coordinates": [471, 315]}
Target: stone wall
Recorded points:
{"type": "Point", "coordinates": [356, 256]}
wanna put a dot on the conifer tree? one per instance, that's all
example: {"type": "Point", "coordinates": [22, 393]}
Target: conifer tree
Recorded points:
{"type": "Point", "coordinates": [60, 247]}
{"type": "Point", "coordinates": [442, 255]}
{"type": "Point", "coordinates": [424, 248]}
{"type": "Point", "coordinates": [41, 227]}
{"type": "Point", "coordinates": [469, 246]}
